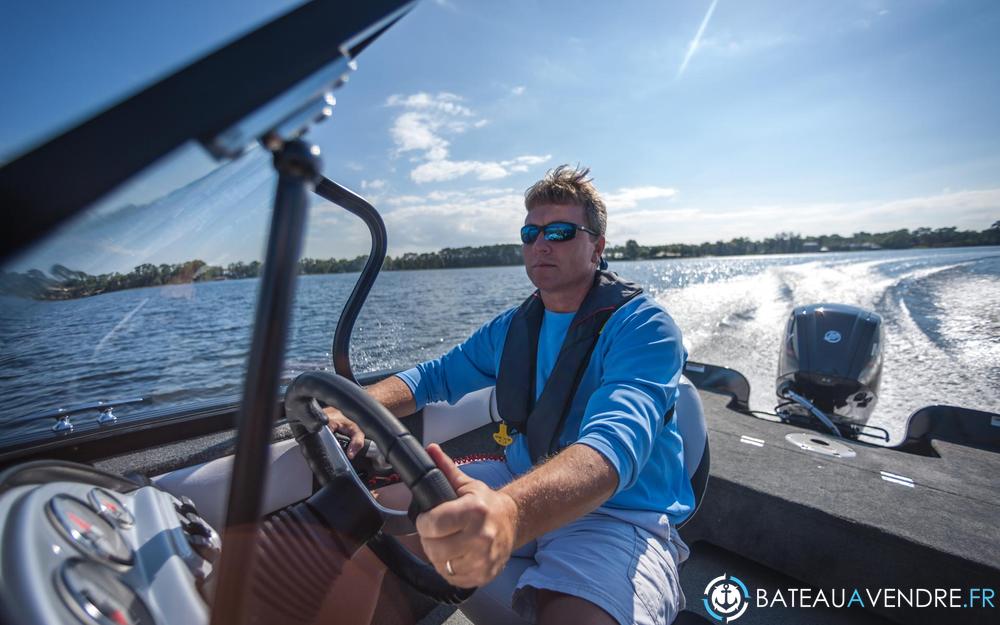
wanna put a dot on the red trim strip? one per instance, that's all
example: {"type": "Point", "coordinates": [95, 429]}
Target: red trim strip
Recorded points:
{"type": "Point", "coordinates": [579, 321]}
{"type": "Point", "coordinates": [478, 458]}
{"type": "Point", "coordinates": [380, 481]}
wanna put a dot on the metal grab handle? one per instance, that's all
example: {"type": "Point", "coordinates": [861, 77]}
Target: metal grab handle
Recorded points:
{"type": "Point", "coordinates": [354, 203]}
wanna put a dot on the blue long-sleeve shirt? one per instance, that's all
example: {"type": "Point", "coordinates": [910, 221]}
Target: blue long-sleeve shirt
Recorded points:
{"type": "Point", "coordinates": [627, 388]}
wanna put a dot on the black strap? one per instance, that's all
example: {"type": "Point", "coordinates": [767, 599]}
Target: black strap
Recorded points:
{"type": "Point", "coordinates": [542, 421]}
{"type": "Point", "coordinates": [516, 376]}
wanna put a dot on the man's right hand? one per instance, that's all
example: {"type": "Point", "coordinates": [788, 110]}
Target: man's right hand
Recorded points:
{"type": "Point", "coordinates": [337, 422]}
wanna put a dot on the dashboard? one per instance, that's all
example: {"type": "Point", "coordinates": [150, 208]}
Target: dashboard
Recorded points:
{"type": "Point", "coordinates": [78, 552]}
{"type": "Point", "coordinates": [80, 544]}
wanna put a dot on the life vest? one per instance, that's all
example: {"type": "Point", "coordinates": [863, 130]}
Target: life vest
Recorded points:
{"type": "Point", "coordinates": [542, 421]}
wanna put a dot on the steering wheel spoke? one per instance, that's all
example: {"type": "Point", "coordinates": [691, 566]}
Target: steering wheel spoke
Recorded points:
{"type": "Point", "coordinates": [393, 522]}
{"type": "Point", "coordinates": [344, 503]}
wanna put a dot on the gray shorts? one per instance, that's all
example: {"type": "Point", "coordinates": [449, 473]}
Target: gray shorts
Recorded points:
{"type": "Point", "coordinates": [624, 569]}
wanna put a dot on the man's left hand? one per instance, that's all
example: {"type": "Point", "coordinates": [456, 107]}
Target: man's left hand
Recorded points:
{"type": "Point", "coordinates": [475, 532]}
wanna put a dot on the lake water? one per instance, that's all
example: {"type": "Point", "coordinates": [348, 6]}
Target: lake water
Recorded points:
{"type": "Point", "coordinates": [186, 343]}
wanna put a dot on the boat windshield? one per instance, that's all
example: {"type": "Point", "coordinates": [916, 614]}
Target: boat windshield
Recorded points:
{"type": "Point", "coordinates": [143, 302]}
{"type": "Point", "coordinates": [148, 294]}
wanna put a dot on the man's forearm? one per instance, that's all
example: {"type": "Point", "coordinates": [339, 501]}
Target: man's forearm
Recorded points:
{"type": "Point", "coordinates": [576, 481]}
{"type": "Point", "coordinates": [394, 394]}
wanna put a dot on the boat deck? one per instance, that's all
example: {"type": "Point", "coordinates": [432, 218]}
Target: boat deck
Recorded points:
{"type": "Point", "coordinates": [780, 517]}
{"type": "Point", "coordinates": [840, 523]}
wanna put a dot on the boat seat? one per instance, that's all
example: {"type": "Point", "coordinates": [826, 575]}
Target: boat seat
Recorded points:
{"type": "Point", "coordinates": [491, 603]}
{"type": "Point", "coordinates": [690, 415]}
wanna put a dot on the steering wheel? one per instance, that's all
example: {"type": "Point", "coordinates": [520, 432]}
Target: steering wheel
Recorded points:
{"type": "Point", "coordinates": [344, 503]}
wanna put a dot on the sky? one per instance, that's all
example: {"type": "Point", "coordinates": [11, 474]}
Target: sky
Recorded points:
{"type": "Point", "coordinates": [700, 119]}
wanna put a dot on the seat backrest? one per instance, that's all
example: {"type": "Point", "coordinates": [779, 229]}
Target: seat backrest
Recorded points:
{"type": "Point", "coordinates": [691, 425]}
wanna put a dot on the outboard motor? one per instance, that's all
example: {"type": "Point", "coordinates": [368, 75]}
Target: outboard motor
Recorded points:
{"type": "Point", "coordinates": [831, 362]}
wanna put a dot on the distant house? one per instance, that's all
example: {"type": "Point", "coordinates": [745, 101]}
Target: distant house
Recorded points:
{"type": "Point", "coordinates": [810, 246]}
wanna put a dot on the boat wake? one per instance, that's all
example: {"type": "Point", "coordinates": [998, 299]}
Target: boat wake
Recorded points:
{"type": "Point", "coordinates": [942, 326]}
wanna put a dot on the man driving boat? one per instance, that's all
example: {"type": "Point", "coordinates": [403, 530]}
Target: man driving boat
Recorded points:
{"type": "Point", "coordinates": [593, 482]}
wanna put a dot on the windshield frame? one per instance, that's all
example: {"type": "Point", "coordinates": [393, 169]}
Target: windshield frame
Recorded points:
{"type": "Point", "coordinates": [200, 102]}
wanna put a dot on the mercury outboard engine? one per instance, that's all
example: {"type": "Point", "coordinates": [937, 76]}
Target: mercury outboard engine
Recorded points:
{"type": "Point", "coordinates": [830, 364]}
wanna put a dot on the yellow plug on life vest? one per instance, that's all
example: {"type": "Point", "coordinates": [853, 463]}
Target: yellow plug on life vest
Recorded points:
{"type": "Point", "coordinates": [501, 437]}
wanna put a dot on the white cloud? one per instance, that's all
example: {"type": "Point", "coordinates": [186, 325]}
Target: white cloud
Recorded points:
{"type": "Point", "coordinates": [454, 219]}
{"type": "Point", "coordinates": [446, 196]}
{"type": "Point", "coordinates": [972, 210]}
{"type": "Point", "coordinates": [336, 234]}
{"type": "Point", "coordinates": [422, 127]}
{"type": "Point", "coordinates": [426, 118]}
{"type": "Point", "coordinates": [400, 200]}
{"type": "Point", "coordinates": [459, 195]}
{"type": "Point", "coordinates": [374, 185]}
{"type": "Point", "coordinates": [442, 170]}
{"type": "Point", "coordinates": [983, 203]}
{"type": "Point", "coordinates": [444, 102]}
{"type": "Point", "coordinates": [629, 197]}
{"type": "Point", "coordinates": [493, 191]}
{"type": "Point", "coordinates": [518, 90]}
{"type": "Point", "coordinates": [415, 131]}
{"type": "Point", "coordinates": [521, 163]}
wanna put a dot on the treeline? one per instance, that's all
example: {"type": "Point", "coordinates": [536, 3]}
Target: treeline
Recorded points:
{"type": "Point", "coordinates": [448, 258]}
{"type": "Point", "coordinates": [65, 283]}
{"type": "Point", "coordinates": [458, 257]}
{"type": "Point", "coordinates": [791, 243]}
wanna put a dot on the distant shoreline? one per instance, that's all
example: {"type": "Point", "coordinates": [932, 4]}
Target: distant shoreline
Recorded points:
{"type": "Point", "coordinates": [63, 283]}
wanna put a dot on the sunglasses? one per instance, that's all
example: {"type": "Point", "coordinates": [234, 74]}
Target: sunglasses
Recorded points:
{"type": "Point", "coordinates": [555, 231]}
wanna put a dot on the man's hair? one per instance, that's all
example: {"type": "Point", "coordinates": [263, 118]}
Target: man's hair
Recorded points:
{"type": "Point", "coordinates": [566, 185]}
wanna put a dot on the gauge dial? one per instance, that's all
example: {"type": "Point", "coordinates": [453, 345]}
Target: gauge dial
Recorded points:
{"type": "Point", "coordinates": [95, 595]}
{"type": "Point", "coordinates": [111, 508]}
{"type": "Point", "coordinates": [89, 532]}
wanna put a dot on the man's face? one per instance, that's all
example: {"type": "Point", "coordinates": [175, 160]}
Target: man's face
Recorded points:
{"type": "Point", "coordinates": [558, 265]}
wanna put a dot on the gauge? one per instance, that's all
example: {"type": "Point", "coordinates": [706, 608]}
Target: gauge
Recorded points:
{"type": "Point", "coordinates": [109, 507]}
{"type": "Point", "coordinates": [95, 595]}
{"type": "Point", "coordinates": [89, 532]}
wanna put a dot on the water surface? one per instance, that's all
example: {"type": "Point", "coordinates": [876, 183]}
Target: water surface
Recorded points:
{"type": "Point", "coordinates": [186, 343]}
